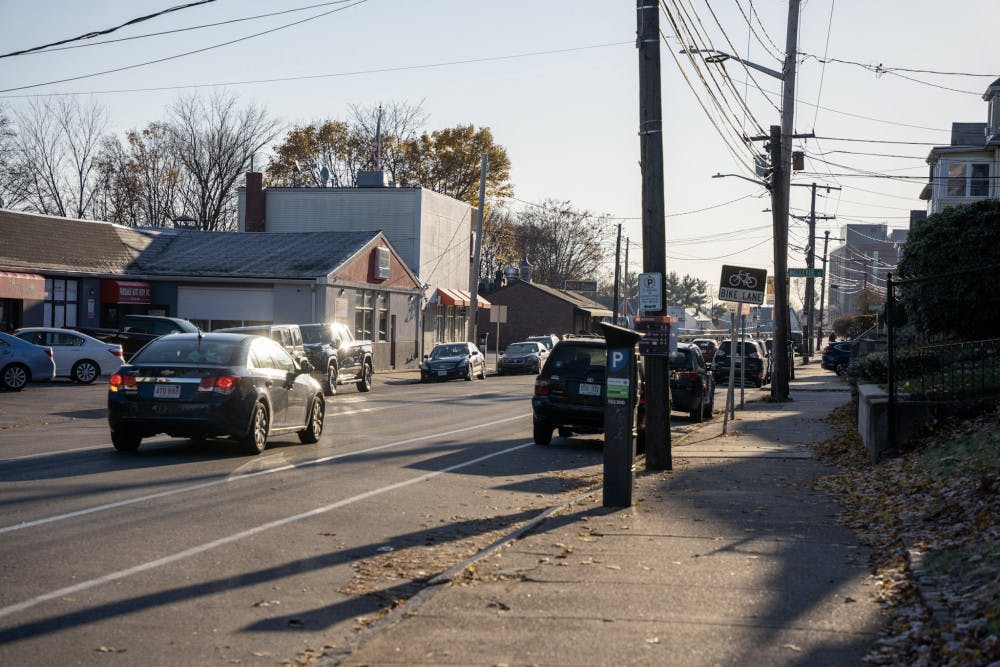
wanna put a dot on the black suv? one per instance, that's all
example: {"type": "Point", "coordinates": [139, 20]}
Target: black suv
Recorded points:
{"type": "Point", "coordinates": [570, 391]}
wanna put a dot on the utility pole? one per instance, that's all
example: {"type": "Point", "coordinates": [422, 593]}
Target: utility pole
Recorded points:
{"type": "Point", "coordinates": [618, 259]}
{"type": "Point", "coordinates": [654, 258]}
{"type": "Point", "coordinates": [822, 291]}
{"type": "Point", "coordinates": [781, 148]}
{"type": "Point", "coordinates": [810, 265]}
{"type": "Point", "coordinates": [474, 279]}
{"type": "Point", "coordinates": [625, 280]}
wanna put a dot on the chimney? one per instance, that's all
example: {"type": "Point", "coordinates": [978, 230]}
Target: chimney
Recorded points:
{"type": "Point", "coordinates": [525, 270]}
{"type": "Point", "coordinates": [254, 203]}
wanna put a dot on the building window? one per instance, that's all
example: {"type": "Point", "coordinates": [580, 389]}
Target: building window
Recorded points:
{"type": "Point", "coordinates": [382, 315]}
{"type": "Point", "coordinates": [59, 308]}
{"type": "Point", "coordinates": [363, 314]}
{"type": "Point", "coordinates": [967, 179]}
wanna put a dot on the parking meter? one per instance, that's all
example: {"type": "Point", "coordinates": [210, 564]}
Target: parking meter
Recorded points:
{"type": "Point", "coordinates": [619, 414]}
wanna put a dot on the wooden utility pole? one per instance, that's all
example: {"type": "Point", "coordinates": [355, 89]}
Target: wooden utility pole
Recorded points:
{"type": "Point", "coordinates": [618, 259]}
{"type": "Point", "coordinates": [822, 292]}
{"type": "Point", "coordinates": [654, 258]}
{"type": "Point", "coordinates": [807, 340]}
{"type": "Point", "coordinates": [474, 279]}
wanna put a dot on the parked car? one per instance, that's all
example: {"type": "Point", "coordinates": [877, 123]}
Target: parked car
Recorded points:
{"type": "Point", "coordinates": [769, 348]}
{"type": "Point", "coordinates": [134, 331]}
{"type": "Point", "coordinates": [78, 356]}
{"type": "Point", "coordinates": [692, 386]}
{"type": "Point", "coordinates": [570, 392]}
{"type": "Point", "coordinates": [837, 356]}
{"type": "Point", "coordinates": [524, 357]}
{"type": "Point", "coordinates": [22, 362]}
{"type": "Point", "coordinates": [448, 361]}
{"type": "Point", "coordinates": [750, 355]}
{"type": "Point", "coordinates": [708, 347]}
{"type": "Point", "coordinates": [337, 356]}
{"type": "Point", "coordinates": [548, 340]}
{"type": "Point", "coordinates": [289, 336]}
{"type": "Point", "coordinates": [240, 386]}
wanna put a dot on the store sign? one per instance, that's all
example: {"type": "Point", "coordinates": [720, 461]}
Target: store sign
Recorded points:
{"type": "Point", "coordinates": [21, 286]}
{"type": "Point", "coordinates": [125, 291]}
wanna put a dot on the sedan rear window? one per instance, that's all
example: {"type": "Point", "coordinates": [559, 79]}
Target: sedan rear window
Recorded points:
{"type": "Point", "coordinates": [577, 358]}
{"type": "Point", "coordinates": [520, 348]}
{"type": "Point", "coordinates": [193, 351]}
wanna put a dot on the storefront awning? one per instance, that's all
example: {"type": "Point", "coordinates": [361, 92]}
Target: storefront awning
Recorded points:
{"type": "Point", "coordinates": [125, 291]}
{"type": "Point", "coordinates": [21, 286]}
{"type": "Point", "coordinates": [457, 297]}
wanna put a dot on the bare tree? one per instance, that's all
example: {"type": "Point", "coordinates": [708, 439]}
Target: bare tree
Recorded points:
{"type": "Point", "coordinates": [139, 178]}
{"type": "Point", "coordinates": [499, 248]}
{"type": "Point", "coordinates": [214, 141]}
{"type": "Point", "coordinates": [400, 122]}
{"type": "Point", "coordinates": [56, 147]}
{"type": "Point", "coordinates": [13, 183]}
{"type": "Point", "coordinates": [561, 242]}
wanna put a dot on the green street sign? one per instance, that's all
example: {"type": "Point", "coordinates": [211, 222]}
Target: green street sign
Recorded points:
{"type": "Point", "coordinates": [804, 273]}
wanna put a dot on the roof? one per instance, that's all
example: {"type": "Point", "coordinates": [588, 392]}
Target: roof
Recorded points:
{"type": "Point", "coordinates": [575, 298]}
{"type": "Point", "coordinates": [29, 241]}
{"type": "Point", "coordinates": [106, 248]}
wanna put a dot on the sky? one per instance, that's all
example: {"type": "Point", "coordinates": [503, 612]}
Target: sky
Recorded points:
{"type": "Point", "coordinates": [557, 84]}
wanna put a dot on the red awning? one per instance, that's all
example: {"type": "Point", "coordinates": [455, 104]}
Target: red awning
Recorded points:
{"type": "Point", "coordinates": [21, 286]}
{"type": "Point", "coordinates": [457, 297]}
{"type": "Point", "coordinates": [125, 291]}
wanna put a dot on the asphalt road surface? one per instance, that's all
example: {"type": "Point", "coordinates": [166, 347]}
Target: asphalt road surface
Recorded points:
{"type": "Point", "coordinates": [192, 553]}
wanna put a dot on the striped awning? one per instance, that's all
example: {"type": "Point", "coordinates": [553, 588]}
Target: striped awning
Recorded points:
{"type": "Point", "coordinates": [456, 297]}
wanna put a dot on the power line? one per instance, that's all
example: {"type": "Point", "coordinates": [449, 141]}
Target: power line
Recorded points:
{"type": "Point", "coordinates": [381, 70]}
{"type": "Point", "coordinates": [188, 53]}
{"type": "Point", "coordinates": [190, 28]}
{"type": "Point", "coordinates": [882, 68]}
{"type": "Point", "coordinates": [106, 31]}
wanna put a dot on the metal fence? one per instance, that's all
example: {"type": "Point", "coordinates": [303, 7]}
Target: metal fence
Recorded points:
{"type": "Point", "coordinates": [938, 369]}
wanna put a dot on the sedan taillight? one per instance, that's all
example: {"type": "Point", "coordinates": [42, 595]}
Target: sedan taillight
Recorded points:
{"type": "Point", "coordinates": [688, 375]}
{"type": "Point", "coordinates": [116, 351]}
{"type": "Point", "coordinates": [541, 386]}
{"type": "Point", "coordinates": [223, 384]}
{"type": "Point", "coordinates": [121, 382]}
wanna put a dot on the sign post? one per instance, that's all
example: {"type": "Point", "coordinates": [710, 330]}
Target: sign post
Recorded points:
{"type": "Point", "coordinates": [651, 292]}
{"type": "Point", "coordinates": [619, 414]}
{"type": "Point", "coordinates": [742, 285]}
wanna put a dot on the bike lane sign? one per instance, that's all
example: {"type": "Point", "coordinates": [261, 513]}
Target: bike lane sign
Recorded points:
{"type": "Point", "coordinates": [740, 283]}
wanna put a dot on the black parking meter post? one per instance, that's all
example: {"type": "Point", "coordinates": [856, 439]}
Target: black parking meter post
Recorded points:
{"type": "Point", "coordinates": [619, 414]}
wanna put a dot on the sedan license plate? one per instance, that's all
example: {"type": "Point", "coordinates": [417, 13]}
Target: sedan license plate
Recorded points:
{"type": "Point", "coordinates": [167, 391]}
{"type": "Point", "coordinates": [442, 373]}
{"type": "Point", "coordinates": [589, 390]}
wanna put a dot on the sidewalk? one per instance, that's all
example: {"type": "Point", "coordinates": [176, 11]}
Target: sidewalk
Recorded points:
{"type": "Point", "coordinates": [730, 559]}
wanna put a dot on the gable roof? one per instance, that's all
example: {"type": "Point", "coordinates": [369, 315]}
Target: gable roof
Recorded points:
{"type": "Point", "coordinates": [575, 298]}
{"type": "Point", "coordinates": [44, 242]}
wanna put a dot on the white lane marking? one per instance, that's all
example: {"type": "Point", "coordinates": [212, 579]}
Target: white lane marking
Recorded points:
{"type": "Point", "coordinates": [227, 480]}
{"type": "Point", "coordinates": [207, 546]}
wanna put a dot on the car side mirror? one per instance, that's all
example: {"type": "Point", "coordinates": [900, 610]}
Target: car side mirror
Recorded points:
{"type": "Point", "coordinates": [306, 366]}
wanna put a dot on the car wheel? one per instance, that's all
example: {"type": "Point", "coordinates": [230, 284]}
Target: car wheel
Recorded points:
{"type": "Point", "coordinates": [708, 408]}
{"type": "Point", "coordinates": [125, 440]}
{"type": "Point", "coordinates": [15, 377]}
{"type": "Point", "coordinates": [696, 414]}
{"type": "Point", "coordinates": [840, 368]}
{"type": "Point", "coordinates": [468, 373]}
{"type": "Point", "coordinates": [85, 371]}
{"type": "Point", "coordinates": [315, 427]}
{"type": "Point", "coordinates": [255, 439]}
{"type": "Point", "coordinates": [365, 383]}
{"type": "Point", "coordinates": [330, 382]}
{"type": "Point", "coordinates": [482, 371]}
{"type": "Point", "coordinates": [542, 433]}
{"type": "Point", "coordinates": [565, 433]}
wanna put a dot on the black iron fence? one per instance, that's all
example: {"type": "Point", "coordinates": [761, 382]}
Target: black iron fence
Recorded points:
{"type": "Point", "coordinates": [940, 367]}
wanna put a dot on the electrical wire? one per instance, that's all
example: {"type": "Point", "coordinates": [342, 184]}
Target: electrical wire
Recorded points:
{"type": "Point", "coordinates": [106, 31]}
{"type": "Point", "coordinates": [751, 31]}
{"type": "Point", "coordinates": [708, 259]}
{"type": "Point", "coordinates": [187, 53]}
{"type": "Point", "coordinates": [880, 68]}
{"type": "Point", "coordinates": [822, 72]}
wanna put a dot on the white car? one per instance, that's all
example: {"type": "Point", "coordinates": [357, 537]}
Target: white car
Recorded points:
{"type": "Point", "coordinates": [78, 356]}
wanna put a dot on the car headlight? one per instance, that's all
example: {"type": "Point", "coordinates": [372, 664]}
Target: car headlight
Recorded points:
{"type": "Point", "coordinates": [423, 366]}
{"type": "Point", "coordinates": [464, 362]}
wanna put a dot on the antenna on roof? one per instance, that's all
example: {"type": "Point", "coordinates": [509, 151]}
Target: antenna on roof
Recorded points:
{"type": "Point", "coordinates": [378, 139]}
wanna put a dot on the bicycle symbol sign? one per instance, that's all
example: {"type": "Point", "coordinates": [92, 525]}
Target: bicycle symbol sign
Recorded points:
{"type": "Point", "coordinates": [744, 284]}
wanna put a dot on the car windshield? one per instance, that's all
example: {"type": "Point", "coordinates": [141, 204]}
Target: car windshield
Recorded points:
{"type": "Point", "coordinates": [578, 359]}
{"type": "Point", "coordinates": [315, 333]}
{"type": "Point", "coordinates": [191, 351]}
{"type": "Point", "coordinates": [544, 340]}
{"type": "Point", "coordinates": [521, 348]}
{"type": "Point", "coordinates": [449, 351]}
{"type": "Point", "coordinates": [680, 359]}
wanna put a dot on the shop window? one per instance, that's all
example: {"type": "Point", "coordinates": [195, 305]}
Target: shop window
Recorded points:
{"type": "Point", "coordinates": [364, 312]}
{"type": "Point", "coordinates": [59, 308]}
{"type": "Point", "coordinates": [382, 315]}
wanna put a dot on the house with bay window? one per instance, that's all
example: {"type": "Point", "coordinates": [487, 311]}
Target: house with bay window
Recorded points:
{"type": "Point", "coordinates": [968, 168]}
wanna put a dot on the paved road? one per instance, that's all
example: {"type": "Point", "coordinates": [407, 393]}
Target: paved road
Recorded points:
{"type": "Point", "coordinates": [192, 553]}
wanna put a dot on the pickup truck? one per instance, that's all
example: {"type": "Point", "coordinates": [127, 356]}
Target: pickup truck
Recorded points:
{"type": "Point", "coordinates": [337, 356]}
{"type": "Point", "coordinates": [134, 331]}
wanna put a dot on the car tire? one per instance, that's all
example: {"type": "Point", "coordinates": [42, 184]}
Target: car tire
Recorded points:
{"type": "Point", "coordinates": [365, 383]}
{"type": "Point", "coordinates": [697, 414]}
{"type": "Point", "coordinates": [125, 440]}
{"type": "Point", "coordinates": [85, 371]}
{"type": "Point", "coordinates": [314, 429]}
{"type": "Point", "coordinates": [468, 373]}
{"type": "Point", "coordinates": [542, 433]}
{"type": "Point", "coordinates": [255, 439]}
{"type": "Point", "coordinates": [15, 377]}
{"type": "Point", "coordinates": [482, 371]}
{"type": "Point", "coordinates": [708, 408]}
{"type": "Point", "coordinates": [330, 381]}
{"type": "Point", "coordinates": [840, 368]}
{"type": "Point", "coordinates": [565, 433]}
